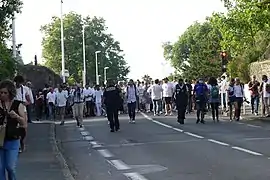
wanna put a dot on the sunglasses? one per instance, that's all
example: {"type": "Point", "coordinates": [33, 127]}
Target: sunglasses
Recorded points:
{"type": "Point", "coordinates": [3, 92]}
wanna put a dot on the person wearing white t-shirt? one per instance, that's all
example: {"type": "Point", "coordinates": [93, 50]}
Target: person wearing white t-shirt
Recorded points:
{"type": "Point", "coordinates": [156, 94]}
{"type": "Point", "coordinates": [167, 96]}
{"type": "Point", "coordinates": [239, 98]}
{"type": "Point", "coordinates": [89, 95]}
{"type": "Point", "coordinates": [51, 100]}
{"type": "Point", "coordinates": [98, 100]}
{"type": "Point", "coordinates": [61, 101]}
{"type": "Point", "coordinates": [266, 94]}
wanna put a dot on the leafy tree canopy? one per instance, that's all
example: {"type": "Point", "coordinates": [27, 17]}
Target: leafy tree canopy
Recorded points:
{"type": "Point", "coordinates": [96, 39]}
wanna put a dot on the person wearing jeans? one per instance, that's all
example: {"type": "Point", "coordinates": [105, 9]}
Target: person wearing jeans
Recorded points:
{"type": "Point", "coordinates": [132, 95]}
{"type": "Point", "coordinates": [266, 94]}
{"type": "Point", "coordinates": [156, 94]}
{"type": "Point", "coordinates": [254, 91]}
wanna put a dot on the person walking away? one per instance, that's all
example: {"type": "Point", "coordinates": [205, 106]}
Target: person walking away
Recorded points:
{"type": "Point", "coordinates": [223, 87]}
{"type": "Point", "coordinates": [61, 101]}
{"type": "Point", "coordinates": [231, 98]}
{"type": "Point", "coordinates": [39, 105]}
{"type": "Point", "coordinates": [156, 94]}
{"type": "Point", "coordinates": [167, 95]}
{"type": "Point", "coordinates": [181, 100]}
{"type": "Point", "coordinates": [254, 92]}
{"type": "Point", "coordinates": [214, 99]}
{"type": "Point", "coordinates": [78, 99]}
{"type": "Point", "coordinates": [132, 94]}
{"type": "Point", "coordinates": [29, 101]}
{"type": "Point", "coordinates": [45, 91]}
{"type": "Point", "coordinates": [112, 101]}
{"type": "Point", "coordinates": [51, 100]}
{"type": "Point", "coordinates": [98, 100]}
{"type": "Point", "coordinates": [200, 94]}
{"type": "Point", "coordinates": [12, 115]}
{"type": "Point", "coordinates": [239, 98]}
{"type": "Point", "coordinates": [266, 94]}
{"type": "Point", "coordinates": [147, 98]}
{"type": "Point", "coordinates": [141, 100]}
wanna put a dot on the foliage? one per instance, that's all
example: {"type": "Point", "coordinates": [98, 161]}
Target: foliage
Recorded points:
{"type": "Point", "coordinates": [147, 79]}
{"type": "Point", "coordinates": [96, 39]}
{"type": "Point", "coordinates": [7, 9]}
{"type": "Point", "coordinates": [196, 53]}
{"type": "Point", "coordinates": [7, 63]}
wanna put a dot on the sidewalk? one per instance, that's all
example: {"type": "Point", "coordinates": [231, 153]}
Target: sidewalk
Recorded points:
{"type": "Point", "coordinates": [40, 160]}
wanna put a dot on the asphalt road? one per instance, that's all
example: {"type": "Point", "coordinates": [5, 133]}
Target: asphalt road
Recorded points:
{"type": "Point", "coordinates": [157, 148]}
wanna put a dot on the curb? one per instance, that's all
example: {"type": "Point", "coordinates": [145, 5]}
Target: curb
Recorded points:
{"type": "Point", "coordinates": [59, 156]}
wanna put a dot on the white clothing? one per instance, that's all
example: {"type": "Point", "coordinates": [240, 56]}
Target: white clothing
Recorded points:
{"type": "Point", "coordinates": [155, 91]}
{"type": "Point", "coordinates": [29, 92]}
{"type": "Point", "coordinates": [167, 89]}
{"type": "Point", "coordinates": [98, 108]}
{"type": "Point", "coordinates": [88, 93]}
{"type": "Point", "coordinates": [22, 92]}
{"type": "Point", "coordinates": [51, 97]}
{"type": "Point", "coordinates": [223, 86]}
{"type": "Point", "coordinates": [61, 99]}
{"type": "Point", "coordinates": [238, 91]}
{"type": "Point", "coordinates": [131, 94]}
{"type": "Point", "coordinates": [265, 93]}
{"type": "Point", "coordinates": [140, 90]}
{"type": "Point", "coordinates": [98, 96]}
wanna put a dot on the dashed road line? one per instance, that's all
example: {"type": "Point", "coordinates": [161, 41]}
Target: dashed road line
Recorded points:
{"type": "Point", "coordinates": [88, 138]}
{"type": "Point", "coordinates": [247, 151]}
{"type": "Point", "coordinates": [93, 143]}
{"type": "Point", "coordinates": [194, 135]}
{"type": "Point", "coordinates": [218, 142]}
{"type": "Point", "coordinates": [179, 130]}
{"type": "Point", "coordinates": [134, 176]}
{"type": "Point", "coordinates": [118, 164]}
{"type": "Point", "coordinates": [255, 126]}
{"type": "Point", "coordinates": [105, 153]}
{"type": "Point", "coordinates": [84, 133]}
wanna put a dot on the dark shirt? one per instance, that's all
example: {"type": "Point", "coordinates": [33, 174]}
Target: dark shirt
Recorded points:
{"type": "Point", "coordinates": [254, 87]}
{"type": "Point", "coordinates": [112, 96]}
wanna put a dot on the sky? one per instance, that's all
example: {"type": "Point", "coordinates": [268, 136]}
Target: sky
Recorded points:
{"type": "Point", "coordinates": [141, 26]}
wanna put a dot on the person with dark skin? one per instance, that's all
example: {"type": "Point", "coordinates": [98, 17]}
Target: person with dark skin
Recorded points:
{"type": "Point", "coordinates": [181, 96]}
{"type": "Point", "coordinates": [112, 100]}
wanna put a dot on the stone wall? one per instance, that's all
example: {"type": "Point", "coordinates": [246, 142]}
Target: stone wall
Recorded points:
{"type": "Point", "coordinates": [39, 76]}
{"type": "Point", "coordinates": [260, 68]}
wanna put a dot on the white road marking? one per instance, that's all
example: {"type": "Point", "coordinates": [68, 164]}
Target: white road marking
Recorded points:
{"type": "Point", "coordinates": [105, 153]}
{"type": "Point", "coordinates": [254, 139]}
{"type": "Point", "coordinates": [97, 146]}
{"type": "Point", "coordinates": [93, 143]}
{"type": "Point", "coordinates": [240, 123]}
{"type": "Point", "coordinates": [179, 130]}
{"type": "Point", "coordinates": [88, 138]}
{"type": "Point", "coordinates": [118, 164]}
{"type": "Point", "coordinates": [218, 142]}
{"type": "Point", "coordinates": [250, 125]}
{"type": "Point", "coordinates": [85, 133]}
{"type": "Point", "coordinates": [81, 129]}
{"type": "Point", "coordinates": [134, 176]}
{"type": "Point", "coordinates": [162, 124]}
{"type": "Point", "coordinates": [247, 151]}
{"type": "Point", "coordinates": [194, 135]}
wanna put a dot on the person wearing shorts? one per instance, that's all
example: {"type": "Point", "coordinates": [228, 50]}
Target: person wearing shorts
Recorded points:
{"type": "Point", "coordinates": [168, 89]}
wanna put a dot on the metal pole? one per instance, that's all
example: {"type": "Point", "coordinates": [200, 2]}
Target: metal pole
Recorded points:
{"type": "Point", "coordinates": [84, 60]}
{"type": "Point", "coordinates": [97, 77]}
{"type": "Point", "coordinates": [14, 49]}
{"type": "Point", "coordinates": [62, 44]}
{"type": "Point", "coordinates": [105, 75]}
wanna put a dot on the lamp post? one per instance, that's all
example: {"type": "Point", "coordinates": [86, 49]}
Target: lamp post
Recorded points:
{"type": "Point", "coordinates": [84, 58]}
{"type": "Point", "coordinates": [62, 44]}
{"type": "Point", "coordinates": [97, 76]}
{"type": "Point", "coordinates": [105, 74]}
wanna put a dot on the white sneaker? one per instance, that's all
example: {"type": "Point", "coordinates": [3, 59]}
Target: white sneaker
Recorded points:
{"type": "Point", "coordinates": [171, 114]}
{"type": "Point", "coordinates": [133, 121]}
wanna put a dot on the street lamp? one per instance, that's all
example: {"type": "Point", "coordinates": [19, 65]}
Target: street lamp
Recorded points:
{"type": "Point", "coordinates": [62, 44]}
{"type": "Point", "coordinates": [97, 76]}
{"type": "Point", "coordinates": [84, 59]}
{"type": "Point", "coordinates": [105, 74]}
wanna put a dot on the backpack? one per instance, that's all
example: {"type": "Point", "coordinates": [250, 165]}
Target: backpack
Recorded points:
{"type": "Point", "coordinates": [214, 92]}
{"type": "Point", "coordinates": [201, 89]}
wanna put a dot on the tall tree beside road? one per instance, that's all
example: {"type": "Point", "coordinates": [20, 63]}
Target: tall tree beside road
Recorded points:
{"type": "Point", "coordinates": [196, 53]}
{"type": "Point", "coordinates": [147, 79]}
{"type": "Point", "coordinates": [96, 39]}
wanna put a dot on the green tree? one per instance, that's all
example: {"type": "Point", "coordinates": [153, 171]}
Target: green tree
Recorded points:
{"type": "Point", "coordinates": [147, 79]}
{"type": "Point", "coordinates": [196, 53]}
{"type": "Point", "coordinates": [7, 63]}
{"type": "Point", "coordinates": [96, 39]}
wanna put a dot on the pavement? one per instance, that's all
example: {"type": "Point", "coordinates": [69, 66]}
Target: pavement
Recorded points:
{"type": "Point", "coordinates": [155, 148]}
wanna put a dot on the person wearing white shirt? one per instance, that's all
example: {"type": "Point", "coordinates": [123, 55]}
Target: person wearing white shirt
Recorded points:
{"type": "Point", "coordinates": [156, 94]}
{"type": "Point", "coordinates": [239, 98]}
{"type": "Point", "coordinates": [78, 106]}
{"type": "Point", "coordinates": [266, 94]}
{"type": "Point", "coordinates": [98, 100]}
{"type": "Point", "coordinates": [131, 94]}
{"type": "Point", "coordinates": [61, 101]}
{"type": "Point", "coordinates": [89, 96]}
{"type": "Point", "coordinates": [168, 90]}
{"type": "Point", "coordinates": [51, 100]}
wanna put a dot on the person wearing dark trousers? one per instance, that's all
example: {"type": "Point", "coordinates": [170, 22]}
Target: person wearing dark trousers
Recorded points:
{"type": "Point", "coordinates": [189, 105]}
{"type": "Point", "coordinates": [132, 95]}
{"type": "Point", "coordinates": [112, 101]}
{"type": "Point", "coordinates": [214, 99]}
{"type": "Point", "coordinates": [181, 100]}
